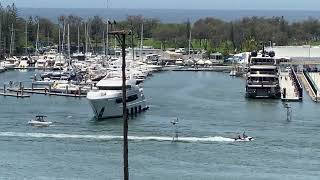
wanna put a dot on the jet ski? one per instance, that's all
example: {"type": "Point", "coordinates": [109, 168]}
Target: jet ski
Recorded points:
{"type": "Point", "coordinates": [39, 121]}
{"type": "Point", "coordinates": [246, 139]}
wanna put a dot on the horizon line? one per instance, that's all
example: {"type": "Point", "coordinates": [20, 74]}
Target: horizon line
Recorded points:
{"type": "Point", "coordinates": [222, 9]}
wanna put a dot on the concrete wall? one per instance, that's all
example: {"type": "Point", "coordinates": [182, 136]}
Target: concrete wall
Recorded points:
{"type": "Point", "coordinates": [302, 52]}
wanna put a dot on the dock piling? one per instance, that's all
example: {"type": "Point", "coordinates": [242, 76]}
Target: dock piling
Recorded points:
{"type": "Point", "coordinates": [79, 92]}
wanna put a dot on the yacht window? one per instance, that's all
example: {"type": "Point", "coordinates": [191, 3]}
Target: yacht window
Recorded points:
{"type": "Point", "coordinates": [112, 87]}
{"type": "Point", "coordinates": [129, 99]}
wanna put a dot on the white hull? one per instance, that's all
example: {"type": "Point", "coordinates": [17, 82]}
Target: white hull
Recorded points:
{"type": "Point", "coordinates": [40, 66]}
{"type": "Point", "coordinates": [2, 69]}
{"type": "Point", "coordinates": [233, 73]}
{"type": "Point", "coordinates": [39, 123]}
{"type": "Point", "coordinates": [107, 102]}
{"type": "Point", "coordinates": [171, 68]}
{"type": "Point", "coordinates": [23, 64]}
{"type": "Point", "coordinates": [9, 65]}
{"type": "Point", "coordinates": [43, 83]}
{"type": "Point", "coordinates": [105, 107]}
{"type": "Point", "coordinates": [247, 139]}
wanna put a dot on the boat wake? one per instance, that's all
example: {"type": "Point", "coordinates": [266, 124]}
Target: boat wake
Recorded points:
{"type": "Point", "coordinates": [110, 137]}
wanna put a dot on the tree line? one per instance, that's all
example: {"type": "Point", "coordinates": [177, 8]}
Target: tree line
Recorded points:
{"type": "Point", "coordinates": [19, 35]}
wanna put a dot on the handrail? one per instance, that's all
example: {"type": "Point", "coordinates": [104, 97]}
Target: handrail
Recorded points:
{"type": "Point", "coordinates": [311, 82]}
{"type": "Point", "coordinates": [297, 83]}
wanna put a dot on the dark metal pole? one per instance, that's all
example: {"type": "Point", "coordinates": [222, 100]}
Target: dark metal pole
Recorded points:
{"type": "Point", "coordinates": [125, 114]}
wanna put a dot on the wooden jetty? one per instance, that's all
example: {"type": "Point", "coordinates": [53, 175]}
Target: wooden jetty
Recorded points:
{"type": "Point", "coordinates": [29, 68]}
{"type": "Point", "coordinates": [212, 68]}
{"type": "Point", "coordinates": [21, 90]}
{"type": "Point", "coordinates": [17, 94]}
{"type": "Point", "coordinates": [48, 92]}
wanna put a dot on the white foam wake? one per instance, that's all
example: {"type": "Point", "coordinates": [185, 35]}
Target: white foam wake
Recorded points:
{"type": "Point", "coordinates": [110, 137]}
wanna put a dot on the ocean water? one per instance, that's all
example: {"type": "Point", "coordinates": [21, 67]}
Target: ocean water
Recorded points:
{"type": "Point", "coordinates": [211, 109]}
{"type": "Point", "coordinates": [168, 15]}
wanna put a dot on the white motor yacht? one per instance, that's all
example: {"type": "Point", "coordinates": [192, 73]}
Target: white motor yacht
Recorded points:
{"type": "Point", "coordinates": [44, 82]}
{"type": "Point", "coordinates": [24, 62]}
{"type": "Point", "coordinates": [41, 63]}
{"type": "Point", "coordinates": [106, 102]}
{"type": "Point", "coordinates": [11, 62]}
{"type": "Point", "coordinates": [58, 65]}
{"type": "Point", "coordinates": [67, 88]}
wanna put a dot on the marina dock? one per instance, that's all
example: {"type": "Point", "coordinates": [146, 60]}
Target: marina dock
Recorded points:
{"type": "Point", "coordinates": [212, 68]}
{"type": "Point", "coordinates": [47, 92]}
{"type": "Point", "coordinates": [29, 68]}
{"type": "Point", "coordinates": [17, 94]}
{"type": "Point", "coordinates": [291, 89]}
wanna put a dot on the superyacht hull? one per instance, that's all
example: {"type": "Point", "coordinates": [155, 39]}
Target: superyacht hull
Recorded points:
{"type": "Point", "coordinates": [109, 108]}
{"type": "Point", "coordinates": [263, 93]}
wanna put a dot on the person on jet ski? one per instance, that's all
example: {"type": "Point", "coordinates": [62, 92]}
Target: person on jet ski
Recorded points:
{"type": "Point", "coordinates": [244, 135]}
{"type": "Point", "coordinates": [239, 137]}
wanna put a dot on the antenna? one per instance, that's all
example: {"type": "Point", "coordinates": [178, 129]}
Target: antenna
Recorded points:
{"type": "Point", "coordinates": [174, 123]}
{"type": "Point", "coordinates": [108, 4]}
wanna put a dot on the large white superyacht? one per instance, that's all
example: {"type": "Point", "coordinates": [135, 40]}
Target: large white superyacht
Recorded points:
{"type": "Point", "coordinates": [263, 77]}
{"type": "Point", "coordinates": [106, 102]}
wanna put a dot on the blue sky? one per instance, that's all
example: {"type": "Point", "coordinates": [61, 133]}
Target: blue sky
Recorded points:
{"type": "Point", "coordinates": [172, 4]}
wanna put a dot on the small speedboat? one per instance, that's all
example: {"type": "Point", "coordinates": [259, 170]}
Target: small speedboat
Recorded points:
{"type": "Point", "coordinates": [246, 139]}
{"type": "Point", "coordinates": [39, 121]}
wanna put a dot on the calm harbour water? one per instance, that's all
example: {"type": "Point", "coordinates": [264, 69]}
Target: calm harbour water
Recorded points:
{"type": "Point", "coordinates": [208, 104]}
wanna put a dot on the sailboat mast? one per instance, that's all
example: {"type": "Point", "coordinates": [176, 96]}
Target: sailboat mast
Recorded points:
{"type": "Point", "coordinates": [69, 55]}
{"type": "Point", "coordinates": [59, 46]}
{"type": "Point", "coordinates": [141, 43]}
{"type": "Point", "coordinates": [104, 43]}
{"type": "Point", "coordinates": [13, 39]}
{"type": "Point", "coordinates": [190, 42]}
{"type": "Point", "coordinates": [1, 35]}
{"type": "Point", "coordinates": [26, 36]}
{"type": "Point", "coordinates": [60, 51]}
{"type": "Point", "coordinates": [11, 42]}
{"type": "Point", "coordinates": [38, 38]}
{"type": "Point", "coordinates": [107, 44]}
{"type": "Point", "coordinates": [63, 36]}
{"type": "Point", "coordinates": [48, 38]}
{"type": "Point", "coordinates": [87, 37]}
{"type": "Point", "coordinates": [78, 39]}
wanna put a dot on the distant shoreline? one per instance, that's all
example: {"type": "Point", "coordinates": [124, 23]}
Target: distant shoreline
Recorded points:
{"type": "Point", "coordinates": [169, 15]}
{"type": "Point", "coordinates": [311, 10]}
